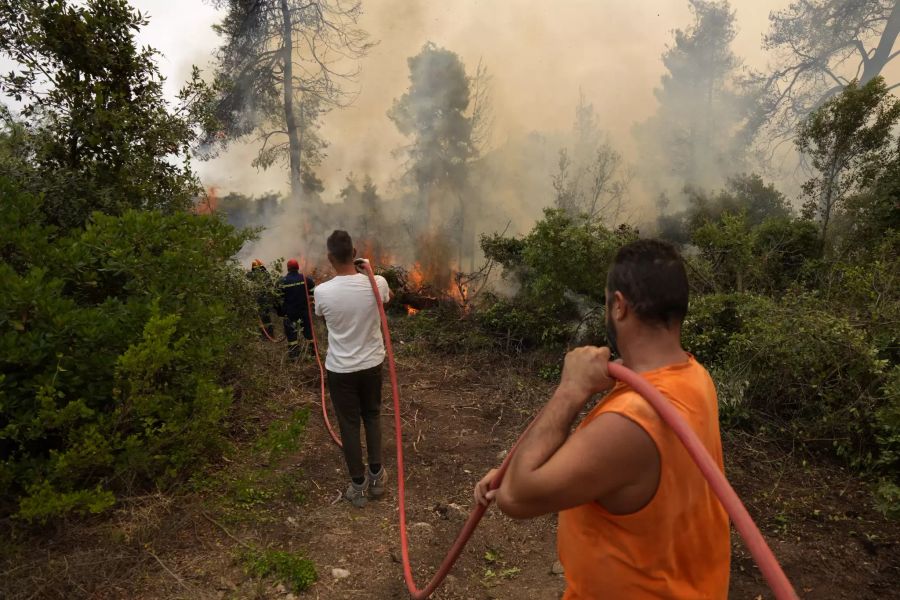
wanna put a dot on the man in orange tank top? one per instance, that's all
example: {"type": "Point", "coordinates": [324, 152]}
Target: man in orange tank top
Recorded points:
{"type": "Point", "coordinates": [636, 517]}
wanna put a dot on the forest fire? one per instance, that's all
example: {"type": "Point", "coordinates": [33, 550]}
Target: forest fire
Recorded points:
{"type": "Point", "coordinates": [375, 252]}
{"type": "Point", "coordinates": [416, 277]}
{"type": "Point", "coordinates": [208, 203]}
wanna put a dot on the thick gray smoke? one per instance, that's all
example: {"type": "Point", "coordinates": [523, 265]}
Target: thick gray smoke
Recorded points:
{"type": "Point", "coordinates": [540, 57]}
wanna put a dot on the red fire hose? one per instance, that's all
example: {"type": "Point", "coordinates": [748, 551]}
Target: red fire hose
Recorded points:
{"type": "Point", "coordinates": [760, 551]}
{"type": "Point", "coordinates": [312, 331]}
{"type": "Point", "coordinates": [266, 332]}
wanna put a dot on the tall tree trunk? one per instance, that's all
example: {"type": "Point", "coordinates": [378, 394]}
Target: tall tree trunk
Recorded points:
{"type": "Point", "coordinates": [873, 66]}
{"type": "Point", "coordinates": [828, 204]}
{"type": "Point", "coordinates": [289, 117]}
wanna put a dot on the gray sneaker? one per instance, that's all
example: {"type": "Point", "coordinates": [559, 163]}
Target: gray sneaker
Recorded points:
{"type": "Point", "coordinates": [376, 482]}
{"type": "Point", "coordinates": [356, 494]}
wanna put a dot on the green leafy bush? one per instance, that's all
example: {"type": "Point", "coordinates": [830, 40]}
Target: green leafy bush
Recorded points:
{"type": "Point", "coordinates": [560, 268]}
{"type": "Point", "coordinates": [442, 329]}
{"type": "Point", "coordinates": [113, 339]}
{"type": "Point", "coordinates": [887, 422]}
{"type": "Point", "coordinates": [806, 368]}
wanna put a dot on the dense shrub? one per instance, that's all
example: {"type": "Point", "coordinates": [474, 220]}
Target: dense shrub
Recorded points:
{"type": "Point", "coordinates": [560, 270]}
{"type": "Point", "coordinates": [112, 341]}
{"type": "Point", "coordinates": [806, 369]}
{"type": "Point", "coordinates": [442, 329]}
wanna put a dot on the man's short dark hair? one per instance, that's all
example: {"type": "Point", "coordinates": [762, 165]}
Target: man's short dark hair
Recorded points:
{"type": "Point", "coordinates": [650, 275]}
{"type": "Point", "coordinates": [340, 246]}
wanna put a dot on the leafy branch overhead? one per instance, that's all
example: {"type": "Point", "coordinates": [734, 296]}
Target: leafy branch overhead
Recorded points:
{"type": "Point", "coordinates": [100, 134]}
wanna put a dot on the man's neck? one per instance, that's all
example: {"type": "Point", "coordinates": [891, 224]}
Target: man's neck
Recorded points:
{"type": "Point", "coordinates": [653, 349]}
{"type": "Point", "coordinates": [348, 269]}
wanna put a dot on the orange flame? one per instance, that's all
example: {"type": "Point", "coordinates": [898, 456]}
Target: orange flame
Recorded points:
{"type": "Point", "coordinates": [207, 205]}
{"type": "Point", "coordinates": [375, 252]}
{"type": "Point", "coordinates": [416, 277]}
{"type": "Point", "coordinates": [410, 311]}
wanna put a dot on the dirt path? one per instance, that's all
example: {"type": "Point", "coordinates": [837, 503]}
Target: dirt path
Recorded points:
{"type": "Point", "coordinates": [457, 421]}
{"type": "Point", "coordinates": [460, 413]}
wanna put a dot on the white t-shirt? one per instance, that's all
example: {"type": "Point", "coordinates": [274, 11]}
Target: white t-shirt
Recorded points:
{"type": "Point", "coordinates": [354, 327]}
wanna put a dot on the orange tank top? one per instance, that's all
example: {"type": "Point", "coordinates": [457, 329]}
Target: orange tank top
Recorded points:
{"type": "Point", "coordinates": [677, 546]}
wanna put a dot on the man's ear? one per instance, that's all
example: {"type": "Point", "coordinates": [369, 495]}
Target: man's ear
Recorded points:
{"type": "Point", "coordinates": [619, 306]}
{"type": "Point", "coordinates": [354, 252]}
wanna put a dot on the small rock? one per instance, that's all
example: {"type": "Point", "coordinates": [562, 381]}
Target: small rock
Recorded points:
{"type": "Point", "coordinates": [280, 589]}
{"type": "Point", "coordinates": [457, 508]}
{"type": "Point", "coordinates": [227, 583]}
{"type": "Point", "coordinates": [292, 521]}
{"type": "Point", "coordinates": [502, 454]}
{"type": "Point", "coordinates": [456, 512]}
{"type": "Point", "coordinates": [340, 573]}
{"type": "Point", "coordinates": [422, 526]}
{"type": "Point", "coordinates": [557, 568]}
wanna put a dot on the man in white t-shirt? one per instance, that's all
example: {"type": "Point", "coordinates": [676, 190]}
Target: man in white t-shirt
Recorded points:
{"type": "Point", "coordinates": [354, 359]}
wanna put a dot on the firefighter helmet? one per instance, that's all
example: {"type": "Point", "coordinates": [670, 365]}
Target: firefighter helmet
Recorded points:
{"type": "Point", "coordinates": [293, 265]}
{"type": "Point", "coordinates": [256, 263]}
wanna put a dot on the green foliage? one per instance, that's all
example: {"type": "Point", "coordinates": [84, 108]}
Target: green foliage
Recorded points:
{"type": "Point", "coordinates": [731, 391]}
{"type": "Point", "coordinates": [727, 244]}
{"type": "Point", "coordinates": [441, 329]}
{"type": "Point", "coordinates": [768, 257]}
{"type": "Point", "coordinates": [805, 367]}
{"type": "Point", "coordinates": [743, 194]}
{"type": "Point", "coordinates": [781, 248]}
{"type": "Point", "coordinates": [560, 267]}
{"type": "Point", "coordinates": [283, 436]}
{"type": "Point", "coordinates": [849, 142]}
{"type": "Point", "coordinates": [112, 343]}
{"type": "Point", "coordinates": [887, 499]}
{"type": "Point", "coordinates": [521, 324]}
{"type": "Point", "coordinates": [295, 571]}
{"type": "Point", "coordinates": [44, 502]}
{"type": "Point", "coordinates": [887, 422]}
{"type": "Point", "coordinates": [872, 214]}
{"type": "Point", "coordinates": [97, 133]}
{"type": "Point", "coordinates": [250, 491]}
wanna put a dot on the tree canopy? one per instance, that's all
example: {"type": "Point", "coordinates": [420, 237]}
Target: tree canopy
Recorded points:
{"type": "Point", "coordinates": [94, 131]}
{"type": "Point", "coordinates": [281, 66]}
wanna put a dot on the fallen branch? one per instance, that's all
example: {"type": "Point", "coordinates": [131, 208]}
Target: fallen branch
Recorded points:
{"type": "Point", "coordinates": [228, 533]}
{"type": "Point", "coordinates": [174, 575]}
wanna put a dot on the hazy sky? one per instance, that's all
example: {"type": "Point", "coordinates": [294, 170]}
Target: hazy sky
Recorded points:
{"type": "Point", "coordinates": [539, 53]}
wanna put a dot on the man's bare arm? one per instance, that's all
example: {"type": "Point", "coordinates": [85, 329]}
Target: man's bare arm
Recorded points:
{"type": "Point", "coordinates": [601, 459]}
{"type": "Point", "coordinates": [551, 470]}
